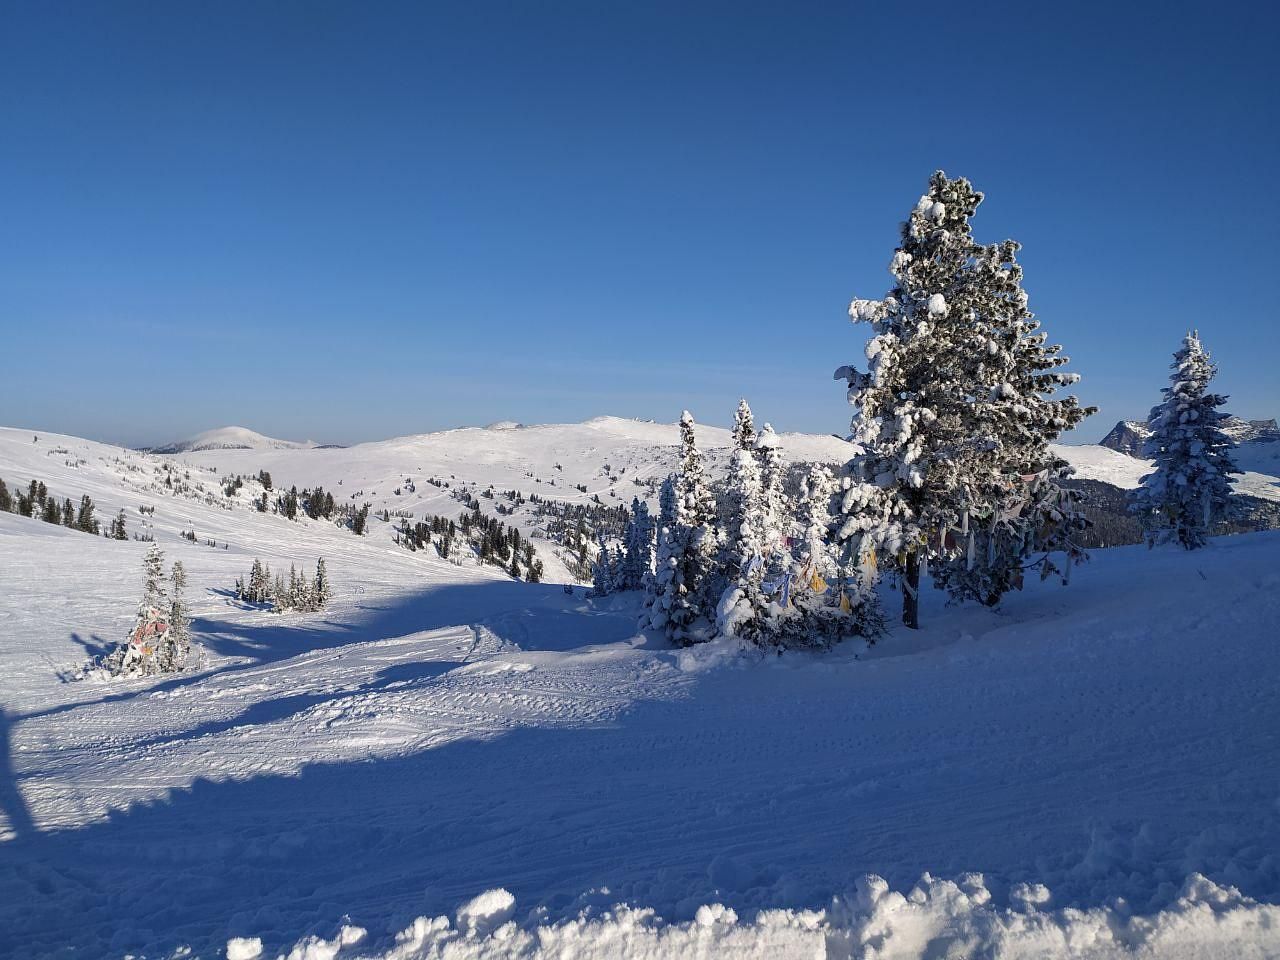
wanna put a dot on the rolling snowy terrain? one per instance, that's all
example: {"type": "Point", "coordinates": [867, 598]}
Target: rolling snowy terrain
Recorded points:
{"type": "Point", "coordinates": [1089, 771]}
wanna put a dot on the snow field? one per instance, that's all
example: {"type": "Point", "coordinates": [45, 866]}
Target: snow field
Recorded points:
{"type": "Point", "coordinates": [440, 733]}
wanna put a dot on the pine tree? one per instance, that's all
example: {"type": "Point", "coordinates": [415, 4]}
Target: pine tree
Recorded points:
{"type": "Point", "coordinates": [68, 513]}
{"type": "Point", "coordinates": [742, 605]}
{"type": "Point", "coordinates": [84, 518]}
{"type": "Point", "coordinates": [179, 622]}
{"type": "Point", "coordinates": [6, 498]}
{"type": "Point", "coordinates": [118, 527]}
{"type": "Point", "coordinates": [913, 408]}
{"type": "Point", "coordinates": [154, 593]}
{"type": "Point", "coordinates": [637, 562]}
{"type": "Point", "coordinates": [1190, 487]}
{"type": "Point", "coordinates": [744, 428]}
{"type": "Point", "coordinates": [321, 588]}
{"type": "Point", "coordinates": [601, 570]}
{"type": "Point", "coordinates": [692, 541]}
{"type": "Point", "coordinates": [1013, 505]}
{"type": "Point", "coordinates": [51, 512]}
{"type": "Point", "coordinates": [151, 646]}
{"type": "Point", "coordinates": [654, 613]}
{"type": "Point", "coordinates": [774, 511]}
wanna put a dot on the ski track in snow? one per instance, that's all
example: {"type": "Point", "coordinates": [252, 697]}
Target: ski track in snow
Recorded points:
{"type": "Point", "coordinates": [442, 731]}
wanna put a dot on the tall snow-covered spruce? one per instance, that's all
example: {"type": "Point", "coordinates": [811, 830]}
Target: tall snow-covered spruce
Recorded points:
{"type": "Point", "coordinates": [687, 542]}
{"type": "Point", "coordinates": [1190, 487]}
{"type": "Point", "coordinates": [911, 416]}
{"type": "Point", "coordinates": [955, 412]}
{"type": "Point", "coordinates": [743, 606]}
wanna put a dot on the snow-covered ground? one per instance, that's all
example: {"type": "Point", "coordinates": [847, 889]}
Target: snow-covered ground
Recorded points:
{"type": "Point", "coordinates": [1259, 461]}
{"type": "Point", "coordinates": [1091, 771]}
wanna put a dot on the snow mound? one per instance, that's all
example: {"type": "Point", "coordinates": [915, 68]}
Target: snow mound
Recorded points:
{"type": "Point", "coordinates": [486, 912]}
{"type": "Point", "coordinates": [233, 438]}
{"type": "Point", "coordinates": [244, 948]}
{"type": "Point", "coordinates": [505, 425]}
{"type": "Point", "coordinates": [937, 918]}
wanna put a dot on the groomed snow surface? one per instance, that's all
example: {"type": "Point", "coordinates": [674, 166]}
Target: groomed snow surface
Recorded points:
{"type": "Point", "coordinates": [446, 763]}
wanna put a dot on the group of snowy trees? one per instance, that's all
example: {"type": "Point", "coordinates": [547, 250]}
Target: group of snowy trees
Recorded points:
{"type": "Point", "coordinates": [297, 593]}
{"type": "Point", "coordinates": [486, 540]}
{"type": "Point", "coordinates": [742, 563]}
{"type": "Point", "coordinates": [1190, 488]}
{"type": "Point", "coordinates": [160, 641]}
{"type": "Point", "coordinates": [951, 466]}
{"type": "Point", "coordinates": [35, 501]}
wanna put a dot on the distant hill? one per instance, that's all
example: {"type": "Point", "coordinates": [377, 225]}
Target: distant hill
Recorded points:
{"type": "Point", "coordinates": [233, 438]}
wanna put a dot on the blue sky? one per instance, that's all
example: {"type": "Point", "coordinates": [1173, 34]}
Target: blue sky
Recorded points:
{"type": "Point", "coordinates": [350, 221]}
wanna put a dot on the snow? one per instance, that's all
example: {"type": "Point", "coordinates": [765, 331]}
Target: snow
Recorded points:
{"type": "Point", "coordinates": [244, 948]}
{"type": "Point", "coordinates": [936, 918]}
{"type": "Point", "coordinates": [1261, 465]}
{"type": "Point", "coordinates": [445, 758]}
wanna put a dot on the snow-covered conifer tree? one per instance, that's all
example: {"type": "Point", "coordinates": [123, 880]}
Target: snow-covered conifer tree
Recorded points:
{"type": "Point", "coordinates": [911, 419]}
{"type": "Point", "coordinates": [636, 562]}
{"type": "Point", "coordinates": [321, 586]}
{"type": "Point", "coordinates": [690, 543]}
{"type": "Point", "coordinates": [1012, 504]}
{"type": "Point", "coordinates": [152, 646]}
{"type": "Point", "coordinates": [179, 646]}
{"type": "Point", "coordinates": [744, 427]}
{"type": "Point", "coordinates": [1190, 487]}
{"type": "Point", "coordinates": [154, 592]}
{"type": "Point", "coordinates": [742, 608]}
{"type": "Point", "coordinates": [602, 569]}
{"type": "Point", "coordinates": [775, 520]}
{"type": "Point", "coordinates": [645, 543]}
{"type": "Point", "coordinates": [661, 588]}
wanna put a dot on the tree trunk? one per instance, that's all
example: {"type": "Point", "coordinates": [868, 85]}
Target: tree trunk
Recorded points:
{"type": "Point", "coordinates": [911, 591]}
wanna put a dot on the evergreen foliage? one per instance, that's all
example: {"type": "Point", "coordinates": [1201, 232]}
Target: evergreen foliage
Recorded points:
{"type": "Point", "coordinates": [1190, 488]}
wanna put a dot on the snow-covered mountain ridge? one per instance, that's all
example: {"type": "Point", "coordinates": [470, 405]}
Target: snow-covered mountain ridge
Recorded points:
{"type": "Point", "coordinates": [1128, 436]}
{"type": "Point", "coordinates": [529, 457]}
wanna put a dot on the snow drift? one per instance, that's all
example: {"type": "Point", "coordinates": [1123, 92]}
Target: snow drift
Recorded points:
{"type": "Point", "coordinates": [936, 919]}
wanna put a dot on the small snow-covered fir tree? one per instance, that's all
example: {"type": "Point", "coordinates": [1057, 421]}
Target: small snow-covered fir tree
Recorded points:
{"type": "Point", "coordinates": [659, 590]}
{"type": "Point", "coordinates": [179, 622]}
{"type": "Point", "coordinates": [157, 643]}
{"type": "Point", "coordinates": [602, 569]}
{"type": "Point", "coordinates": [320, 590]}
{"type": "Point", "coordinates": [1190, 488]}
{"type": "Point", "coordinates": [743, 605]}
{"type": "Point", "coordinates": [775, 519]}
{"type": "Point", "coordinates": [690, 543]}
{"type": "Point", "coordinates": [636, 563]}
{"type": "Point", "coordinates": [744, 427]}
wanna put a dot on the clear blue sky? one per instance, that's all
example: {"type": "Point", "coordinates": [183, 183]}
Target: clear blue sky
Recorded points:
{"type": "Point", "coordinates": [346, 221]}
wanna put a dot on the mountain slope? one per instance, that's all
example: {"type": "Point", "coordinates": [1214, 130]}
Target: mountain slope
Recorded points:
{"type": "Point", "coordinates": [441, 731]}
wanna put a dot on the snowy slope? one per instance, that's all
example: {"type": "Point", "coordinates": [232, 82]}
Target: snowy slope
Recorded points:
{"type": "Point", "coordinates": [440, 732]}
{"type": "Point", "coordinates": [232, 438]}
{"type": "Point", "coordinates": [1260, 462]}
